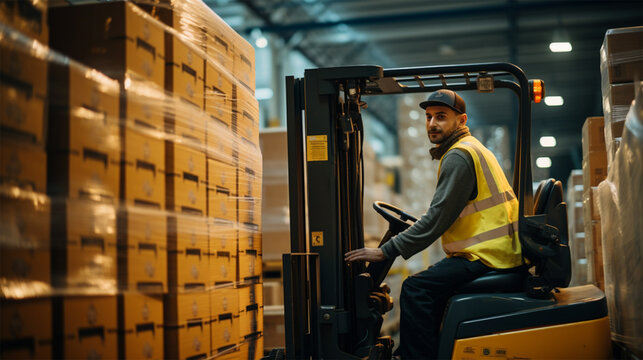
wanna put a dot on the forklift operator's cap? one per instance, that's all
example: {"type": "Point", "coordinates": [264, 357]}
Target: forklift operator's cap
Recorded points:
{"type": "Point", "coordinates": [446, 98]}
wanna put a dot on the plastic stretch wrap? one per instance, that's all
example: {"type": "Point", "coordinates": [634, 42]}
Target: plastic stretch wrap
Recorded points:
{"type": "Point", "coordinates": [620, 204]}
{"type": "Point", "coordinates": [141, 187]}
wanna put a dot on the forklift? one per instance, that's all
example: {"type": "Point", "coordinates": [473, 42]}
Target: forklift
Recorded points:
{"type": "Point", "coordinates": [334, 310]}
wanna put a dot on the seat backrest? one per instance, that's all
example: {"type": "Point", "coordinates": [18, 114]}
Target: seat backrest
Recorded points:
{"type": "Point", "coordinates": [553, 266]}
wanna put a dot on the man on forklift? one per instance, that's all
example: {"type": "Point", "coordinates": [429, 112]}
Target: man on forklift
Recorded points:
{"type": "Point", "coordinates": [474, 210]}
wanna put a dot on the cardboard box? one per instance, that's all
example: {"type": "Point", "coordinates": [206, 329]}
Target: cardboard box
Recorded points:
{"type": "Point", "coordinates": [594, 168]}
{"type": "Point", "coordinates": [25, 220]}
{"type": "Point", "coordinates": [23, 93]}
{"type": "Point", "coordinates": [143, 255]}
{"type": "Point", "coordinates": [222, 205]}
{"type": "Point", "coordinates": [251, 322]}
{"type": "Point", "coordinates": [249, 295]}
{"type": "Point", "coordinates": [249, 210]}
{"type": "Point", "coordinates": [244, 62]}
{"type": "Point", "coordinates": [186, 17]}
{"type": "Point", "coordinates": [23, 165]}
{"type": "Point", "coordinates": [83, 140]}
{"type": "Point", "coordinates": [250, 348]}
{"type": "Point", "coordinates": [594, 254]}
{"type": "Point", "coordinates": [117, 38]}
{"type": "Point", "coordinates": [27, 16]}
{"type": "Point", "coordinates": [181, 308]}
{"type": "Point", "coordinates": [223, 236]}
{"type": "Point", "coordinates": [590, 201]}
{"type": "Point", "coordinates": [218, 92]}
{"type": "Point", "coordinates": [187, 325]}
{"type": "Point", "coordinates": [617, 63]}
{"type": "Point", "coordinates": [247, 109]}
{"type": "Point", "coordinates": [224, 300]}
{"type": "Point", "coordinates": [22, 115]}
{"type": "Point", "coordinates": [140, 326]}
{"type": "Point", "coordinates": [223, 269]}
{"type": "Point", "coordinates": [87, 327]}
{"type": "Point", "coordinates": [188, 341]}
{"type": "Point", "coordinates": [249, 237]}
{"type": "Point", "coordinates": [249, 265]}
{"type": "Point", "coordinates": [592, 134]}
{"type": "Point", "coordinates": [219, 46]}
{"type": "Point", "coordinates": [26, 328]}
{"type": "Point", "coordinates": [250, 182]}
{"type": "Point", "coordinates": [185, 168]}
{"type": "Point", "coordinates": [84, 252]}
{"type": "Point", "coordinates": [145, 107]}
{"type": "Point", "coordinates": [225, 333]}
{"type": "Point", "coordinates": [184, 69]}
{"type": "Point", "coordinates": [221, 144]}
{"type": "Point", "coordinates": [222, 175]}
{"type": "Point", "coordinates": [143, 170]}
{"type": "Point", "coordinates": [188, 264]}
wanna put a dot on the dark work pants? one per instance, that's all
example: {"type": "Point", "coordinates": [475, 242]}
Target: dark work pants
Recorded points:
{"type": "Point", "coordinates": [422, 302]}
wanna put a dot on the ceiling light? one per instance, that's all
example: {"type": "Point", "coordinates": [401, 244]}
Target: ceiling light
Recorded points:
{"type": "Point", "coordinates": [547, 141]}
{"type": "Point", "coordinates": [543, 162]}
{"type": "Point", "coordinates": [414, 114]}
{"type": "Point", "coordinates": [261, 42]}
{"type": "Point", "coordinates": [554, 100]}
{"type": "Point", "coordinates": [560, 46]}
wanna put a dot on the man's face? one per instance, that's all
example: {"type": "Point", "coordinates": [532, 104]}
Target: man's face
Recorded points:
{"type": "Point", "coordinates": [441, 121]}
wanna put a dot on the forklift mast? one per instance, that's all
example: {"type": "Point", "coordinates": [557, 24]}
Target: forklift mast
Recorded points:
{"type": "Point", "coordinates": [329, 311]}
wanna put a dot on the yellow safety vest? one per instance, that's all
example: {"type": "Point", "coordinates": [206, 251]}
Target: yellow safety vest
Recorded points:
{"type": "Point", "coordinates": [487, 228]}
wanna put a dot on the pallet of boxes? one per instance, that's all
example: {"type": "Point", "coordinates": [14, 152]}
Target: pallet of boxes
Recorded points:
{"type": "Point", "coordinates": [594, 171]}
{"type": "Point", "coordinates": [619, 197]}
{"type": "Point", "coordinates": [145, 166]}
{"type": "Point", "coordinates": [25, 207]}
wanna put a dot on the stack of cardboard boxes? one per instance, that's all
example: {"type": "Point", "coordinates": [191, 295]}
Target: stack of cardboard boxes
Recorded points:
{"type": "Point", "coordinates": [619, 197]}
{"type": "Point", "coordinates": [155, 180]}
{"type": "Point", "coordinates": [25, 302]}
{"type": "Point", "coordinates": [621, 66]}
{"type": "Point", "coordinates": [594, 171]}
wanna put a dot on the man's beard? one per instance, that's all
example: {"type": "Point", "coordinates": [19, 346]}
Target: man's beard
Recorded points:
{"type": "Point", "coordinates": [441, 139]}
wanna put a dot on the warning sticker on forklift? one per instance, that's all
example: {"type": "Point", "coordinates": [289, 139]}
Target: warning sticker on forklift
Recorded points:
{"type": "Point", "coordinates": [317, 148]}
{"type": "Point", "coordinates": [317, 238]}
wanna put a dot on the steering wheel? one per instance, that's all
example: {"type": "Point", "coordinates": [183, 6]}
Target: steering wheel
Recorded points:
{"type": "Point", "coordinates": [398, 220]}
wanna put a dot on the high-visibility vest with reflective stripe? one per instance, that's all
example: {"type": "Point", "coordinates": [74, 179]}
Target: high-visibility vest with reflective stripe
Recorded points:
{"type": "Point", "coordinates": [487, 228]}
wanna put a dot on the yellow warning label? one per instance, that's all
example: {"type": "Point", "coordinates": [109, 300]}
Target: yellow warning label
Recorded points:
{"type": "Point", "coordinates": [317, 238]}
{"type": "Point", "coordinates": [317, 148]}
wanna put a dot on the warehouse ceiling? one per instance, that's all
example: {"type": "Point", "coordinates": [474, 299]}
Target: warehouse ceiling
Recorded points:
{"type": "Point", "coordinates": [426, 32]}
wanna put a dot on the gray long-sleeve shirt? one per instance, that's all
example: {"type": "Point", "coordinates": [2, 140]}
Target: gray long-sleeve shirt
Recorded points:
{"type": "Point", "coordinates": [456, 186]}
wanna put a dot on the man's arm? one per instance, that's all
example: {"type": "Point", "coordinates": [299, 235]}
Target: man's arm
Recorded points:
{"type": "Point", "coordinates": [456, 186]}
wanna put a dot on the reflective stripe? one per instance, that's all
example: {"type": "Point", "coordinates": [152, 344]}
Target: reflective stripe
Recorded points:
{"type": "Point", "coordinates": [485, 169]}
{"type": "Point", "coordinates": [487, 235]}
{"type": "Point", "coordinates": [484, 204]}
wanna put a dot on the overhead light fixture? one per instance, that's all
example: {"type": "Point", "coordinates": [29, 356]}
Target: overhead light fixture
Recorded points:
{"type": "Point", "coordinates": [560, 40]}
{"type": "Point", "coordinates": [554, 100]}
{"type": "Point", "coordinates": [261, 42]}
{"type": "Point", "coordinates": [543, 162]}
{"type": "Point", "coordinates": [560, 46]}
{"type": "Point", "coordinates": [547, 141]}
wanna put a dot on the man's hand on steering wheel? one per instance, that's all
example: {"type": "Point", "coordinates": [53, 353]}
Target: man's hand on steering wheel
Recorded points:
{"type": "Point", "coordinates": [365, 254]}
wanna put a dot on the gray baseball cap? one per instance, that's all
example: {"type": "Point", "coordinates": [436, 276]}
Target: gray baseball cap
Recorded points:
{"type": "Point", "coordinates": [445, 97]}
